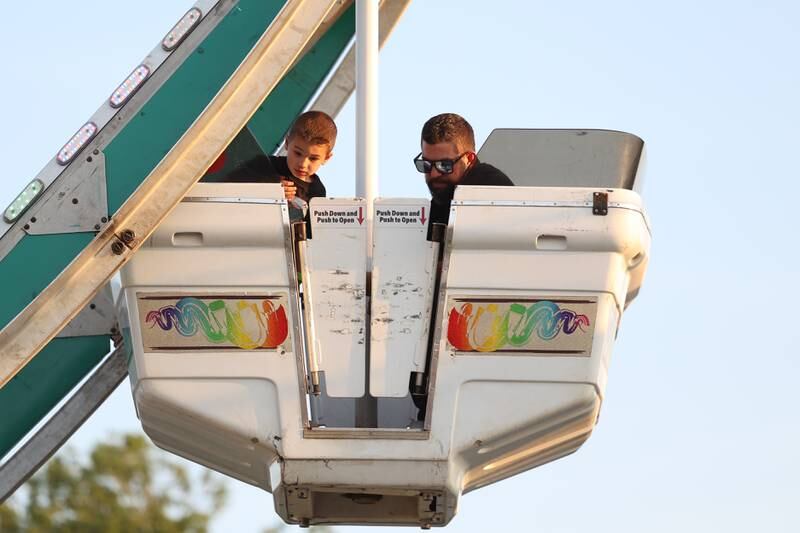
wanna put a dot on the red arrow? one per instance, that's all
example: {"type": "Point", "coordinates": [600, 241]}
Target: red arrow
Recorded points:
{"type": "Point", "coordinates": [360, 215]}
{"type": "Point", "coordinates": [423, 215]}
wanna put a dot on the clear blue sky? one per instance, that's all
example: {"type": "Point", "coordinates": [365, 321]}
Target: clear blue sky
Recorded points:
{"type": "Point", "coordinates": [699, 430]}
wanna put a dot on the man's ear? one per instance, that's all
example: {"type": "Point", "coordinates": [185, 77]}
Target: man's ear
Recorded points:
{"type": "Point", "coordinates": [471, 156]}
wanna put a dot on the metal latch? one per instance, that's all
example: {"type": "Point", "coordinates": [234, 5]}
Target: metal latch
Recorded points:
{"type": "Point", "coordinates": [600, 203]}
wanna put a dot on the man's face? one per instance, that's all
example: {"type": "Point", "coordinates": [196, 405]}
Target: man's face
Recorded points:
{"type": "Point", "coordinates": [304, 159]}
{"type": "Point", "coordinates": [439, 184]}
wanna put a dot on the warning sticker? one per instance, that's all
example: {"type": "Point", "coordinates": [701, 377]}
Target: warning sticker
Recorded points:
{"type": "Point", "coordinates": [405, 215]}
{"type": "Point", "coordinates": [338, 216]}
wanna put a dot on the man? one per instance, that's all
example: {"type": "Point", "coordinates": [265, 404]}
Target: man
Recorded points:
{"type": "Point", "coordinates": [448, 159]}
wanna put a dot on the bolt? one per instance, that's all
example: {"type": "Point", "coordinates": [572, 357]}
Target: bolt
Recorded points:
{"type": "Point", "coordinates": [92, 306]}
{"type": "Point", "coordinates": [96, 151]}
{"type": "Point", "coordinates": [104, 219]}
{"type": "Point", "coordinates": [33, 220]}
{"type": "Point", "coordinates": [74, 200]}
{"type": "Point", "coordinates": [97, 226]}
{"type": "Point", "coordinates": [117, 247]}
{"type": "Point", "coordinates": [89, 159]}
{"type": "Point", "coordinates": [127, 236]}
{"type": "Point", "coordinates": [26, 226]}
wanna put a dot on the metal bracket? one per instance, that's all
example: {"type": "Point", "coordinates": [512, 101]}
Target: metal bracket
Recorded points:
{"type": "Point", "coordinates": [600, 203]}
{"type": "Point", "coordinates": [97, 318]}
{"type": "Point", "coordinates": [80, 203]}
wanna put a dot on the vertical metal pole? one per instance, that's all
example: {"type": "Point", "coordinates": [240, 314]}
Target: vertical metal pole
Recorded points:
{"type": "Point", "coordinates": [367, 47]}
{"type": "Point", "coordinates": [367, 103]}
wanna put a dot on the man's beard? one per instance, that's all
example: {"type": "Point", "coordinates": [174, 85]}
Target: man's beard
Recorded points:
{"type": "Point", "coordinates": [443, 195]}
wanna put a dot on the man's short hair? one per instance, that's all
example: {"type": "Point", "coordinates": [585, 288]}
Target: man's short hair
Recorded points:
{"type": "Point", "coordinates": [314, 127]}
{"type": "Point", "coordinates": [449, 127]}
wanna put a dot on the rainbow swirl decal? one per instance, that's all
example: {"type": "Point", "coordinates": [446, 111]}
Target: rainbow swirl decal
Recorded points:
{"type": "Point", "coordinates": [487, 328]}
{"type": "Point", "coordinates": [248, 325]}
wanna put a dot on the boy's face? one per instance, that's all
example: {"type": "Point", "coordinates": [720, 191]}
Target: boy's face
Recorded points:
{"type": "Point", "coordinates": [304, 159]}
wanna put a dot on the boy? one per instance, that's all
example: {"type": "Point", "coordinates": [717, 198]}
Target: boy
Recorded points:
{"type": "Point", "coordinates": [309, 145]}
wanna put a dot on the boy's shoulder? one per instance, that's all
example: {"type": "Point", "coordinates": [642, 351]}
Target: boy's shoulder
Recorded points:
{"type": "Point", "coordinates": [271, 165]}
{"type": "Point", "coordinates": [260, 162]}
{"type": "Point", "coordinates": [280, 164]}
{"type": "Point", "coordinates": [253, 170]}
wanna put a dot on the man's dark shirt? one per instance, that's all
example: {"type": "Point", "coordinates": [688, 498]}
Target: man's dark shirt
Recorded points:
{"type": "Point", "coordinates": [270, 169]}
{"type": "Point", "coordinates": [479, 174]}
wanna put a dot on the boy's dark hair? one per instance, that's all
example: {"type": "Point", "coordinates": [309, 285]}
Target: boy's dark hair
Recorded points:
{"type": "Point", "coordinates": [314, 127]}
{"type": "Point", "coordinates": [449, 127]}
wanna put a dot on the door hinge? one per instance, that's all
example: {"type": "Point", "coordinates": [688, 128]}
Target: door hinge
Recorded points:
{"type": "Point", "coordinates": [600, 203]}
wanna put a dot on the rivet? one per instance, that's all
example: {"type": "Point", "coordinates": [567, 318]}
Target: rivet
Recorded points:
{"type": "Point", "coordinates": [127, 236]}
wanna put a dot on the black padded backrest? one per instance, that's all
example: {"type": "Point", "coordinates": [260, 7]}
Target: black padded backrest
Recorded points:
{"type": "Point", "coordinates": [566, 158]}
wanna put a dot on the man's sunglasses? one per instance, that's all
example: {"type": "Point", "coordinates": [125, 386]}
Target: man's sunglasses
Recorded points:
{"type": "Point", "coordinates": [445, 166]}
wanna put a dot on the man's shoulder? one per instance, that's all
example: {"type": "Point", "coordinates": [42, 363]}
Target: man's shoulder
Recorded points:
{"type": "Point", "coordinates": [486, 174]}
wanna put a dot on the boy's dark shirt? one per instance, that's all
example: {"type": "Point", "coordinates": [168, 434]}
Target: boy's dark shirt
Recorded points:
{"type": "Point", "coordinates": [270, 169]}
{"type": "Point", "coordinates": [479, 174]}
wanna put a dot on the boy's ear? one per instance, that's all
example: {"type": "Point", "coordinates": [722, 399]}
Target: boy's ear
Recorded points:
{"type": "Point", "coordinates": [330, 154]}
